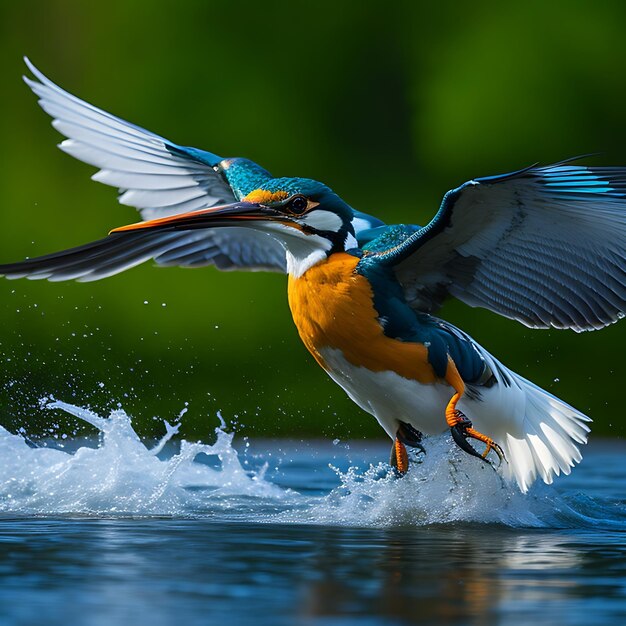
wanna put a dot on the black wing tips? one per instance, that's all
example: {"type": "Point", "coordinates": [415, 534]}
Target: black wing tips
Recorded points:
{"type": "Point", "coordinates": [92, 261]}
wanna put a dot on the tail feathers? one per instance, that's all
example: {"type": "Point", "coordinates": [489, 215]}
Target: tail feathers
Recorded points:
{"type": "Point", "coordinates": [550, 434]}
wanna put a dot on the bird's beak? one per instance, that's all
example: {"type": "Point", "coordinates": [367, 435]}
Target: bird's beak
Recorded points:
{"type": "Point", "coordinates": [235, 214]}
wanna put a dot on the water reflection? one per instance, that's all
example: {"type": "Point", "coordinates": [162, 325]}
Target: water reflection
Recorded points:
{"type": "Point", "coordinates": [454, 575]}
{"type": "Point", "coordinates": [158, 571]}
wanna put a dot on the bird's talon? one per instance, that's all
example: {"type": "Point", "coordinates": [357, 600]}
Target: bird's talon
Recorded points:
{"type": "Point", "coordinates": [409, 436]}
{"type": "Point", "coordinates": [463, 431]}
{"type": "Point", "coordinates": [460, 438]}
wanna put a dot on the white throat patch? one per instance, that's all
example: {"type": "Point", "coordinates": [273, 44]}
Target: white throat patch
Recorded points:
{"type": "Point", "coordinates": [298, 265]}
{"type": "Point", "coordinates": [302, 251]}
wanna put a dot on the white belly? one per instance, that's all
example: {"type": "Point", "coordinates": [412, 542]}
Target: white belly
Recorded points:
{"type": "Point", "coordinates": [538, 432]}
{"type": "Point", "coordinates": [389, 397]}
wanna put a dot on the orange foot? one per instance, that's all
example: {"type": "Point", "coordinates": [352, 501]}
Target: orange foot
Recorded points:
{"type": "Point", "coordinates": [410, 436]}
{"type": "Point", "coordinates": [461, 429]}
{"type": "Point", "coordinates": [399, 457]}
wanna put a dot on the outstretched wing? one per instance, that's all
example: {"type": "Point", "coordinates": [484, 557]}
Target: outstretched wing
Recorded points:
{"type": "Point", "coordinates": [157, 177]}
{"type": "Point", "coordinates": [545, 246]}
{"type": "Point", "coordinates": [121, 251]}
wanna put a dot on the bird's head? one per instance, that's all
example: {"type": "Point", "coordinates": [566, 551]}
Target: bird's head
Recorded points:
{"type": "Point", "coordinates": [308, 218]}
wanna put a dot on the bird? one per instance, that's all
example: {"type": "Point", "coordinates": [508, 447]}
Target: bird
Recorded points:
{"type": "Point", "coordinates": [543, 245]}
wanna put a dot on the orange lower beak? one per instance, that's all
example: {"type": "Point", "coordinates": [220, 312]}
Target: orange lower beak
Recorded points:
{"type": "Point", "coordinates": [223, 215]}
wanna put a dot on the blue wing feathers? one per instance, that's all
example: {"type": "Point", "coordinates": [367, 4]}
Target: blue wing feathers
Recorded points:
{"type": "Point", "coordinates": [604, 181]}
{"type": "Point", "coordinates": [543, 245]}
{"type": "Point", "coordinates": [195, 154]}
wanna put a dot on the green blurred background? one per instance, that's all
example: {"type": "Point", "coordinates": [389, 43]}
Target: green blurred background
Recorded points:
{"type": "Point", "coordinates": [390, 104]}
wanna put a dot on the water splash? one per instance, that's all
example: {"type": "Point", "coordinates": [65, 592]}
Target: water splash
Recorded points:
{"type": "Point", "coordinates": [447, 486]}
{"type": "Point", "coordinates": [444, 486]}
{"type": "Point", "coordinates": [123, 476]}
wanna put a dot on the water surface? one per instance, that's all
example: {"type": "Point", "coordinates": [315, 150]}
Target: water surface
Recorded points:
{"type": "Point", "coordinates": [116, 531]}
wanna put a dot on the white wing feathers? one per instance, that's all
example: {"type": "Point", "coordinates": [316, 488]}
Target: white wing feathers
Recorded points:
{"type": "Point", "coordinates": [138, 162]}
{"type": "Point", "coordinates": [158, 178]}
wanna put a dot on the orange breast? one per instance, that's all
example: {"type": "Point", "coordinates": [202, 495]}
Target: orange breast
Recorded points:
{"type": "Point", "coordinates": [333, 307]}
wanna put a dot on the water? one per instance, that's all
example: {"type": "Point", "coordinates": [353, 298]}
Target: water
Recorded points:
{"type": "Point", "coordinates": [112, 530]}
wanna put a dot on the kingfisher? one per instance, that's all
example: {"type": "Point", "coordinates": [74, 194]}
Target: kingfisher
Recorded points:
{"type": "Point", "coordinates": [544, 245]}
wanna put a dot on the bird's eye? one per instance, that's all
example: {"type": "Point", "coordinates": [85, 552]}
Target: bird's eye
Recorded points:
{"type": "Point", "coordinates": [298, 205]}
